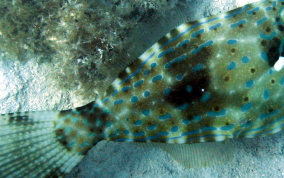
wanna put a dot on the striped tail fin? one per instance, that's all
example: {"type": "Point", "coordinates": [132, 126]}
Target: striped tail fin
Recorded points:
{"type": "Point", "coordinates": [43, 143]}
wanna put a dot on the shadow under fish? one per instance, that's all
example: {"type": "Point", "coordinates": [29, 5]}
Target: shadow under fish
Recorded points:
{"type": "Point", "coordinates": [205, 81]}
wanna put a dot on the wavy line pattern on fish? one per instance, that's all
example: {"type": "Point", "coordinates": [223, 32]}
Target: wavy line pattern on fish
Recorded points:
{"type": "Point", "coordinates": [207, 80]}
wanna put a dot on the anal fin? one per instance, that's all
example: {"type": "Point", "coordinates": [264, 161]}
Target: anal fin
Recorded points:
{"type": "Point", "coordinates": [197, 154]}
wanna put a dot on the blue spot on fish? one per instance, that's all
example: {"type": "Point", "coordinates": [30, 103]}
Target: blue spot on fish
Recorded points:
{"type": "Point", "coordinates": [206, 44]}
{"type": "Point", "coordinates": [281, 82]}
{"type": "Point", "coordinates": [249, 83]}
{"type": "Point", "coordinates": [186, 121]}
{"type": "Point", "coordinates": [265, 94]}
{"type": "Point", "coordinates": [125, 88]}
{"type": "Point", "coordinates": [217, 114]}
{"type": "Point", "coordinates": [264, 56]}
{"type": "Point", "coordinates": [142, 133]}
{"type": "Point", "coordinates": [183, 43]}
{"type": "Point", "coordinates": [162, 54]}
{"type": "Point", "coordinates": [189, 88]}
{"type": "Point", "coordinates": [194, 34]}
{"type": "Point", "coordinates": [138, 83]}
{"type": "Point", "coordinates": [178, 59]}
{"type": "Point", "coordinates": [109, 124]}
{"type": "Point", "coordinates": [230, 42]}
{"type": "Point", "coordinates": [167, 91]}
{"type": "Point", "coordinates": [120, 101]}
{"type": "Point", "coordinates": [174, 129]}
{"type": "Point", "coordinates": [146, 72]}
{"type": "Point", "coordinates": [266, 115]}
{"type": "Point", "coordinates": [115, 92]}
{"type": "Point", "coordinates": [205, 97]}
{"type": "Point", "coordinates": [152, 127]}
{"type": "Point", "coordinates": [231, 66]}
{"type": "Point", "coordinates": [146, 93]}
{"type": "Point", "coordinates": [215, 26]}
{"type": "Point", "coordinates": [238, 23]}
{"type": "Point", "coordinates": [268, 8]}
{"type": "Point", "coordinates": [246, 107]}
{"type": "Point", "coordinates": [253, 10]}
{"type": "Point", "coordinates": [197, 67]}
{"type": "Point", "coordinates": [245, 59]}
{"type": "Point", "coordinates": [166, 116]}
{"type": "Point", "coordinates": [137, 123]}
{"type": "Point", "coordinates": [146, 112]}
{"type": "Point", "coordinates": [204, 129]}
{"type": "Point", "coordinates": [154, 64]}
{"type": "Point", "coordinates": [179, 77]}
{"type": "Point", "coordinates": [126, 132]}
{"type": "Point", "coordinates": [268, 37]}
{"type": "Point", "coordinates": [134, 99]}
{"type": "Point", "coordinates": [183, 107]}
{"type": "Point", "coordinates": [156, 78]}
{"type": "Point", "coordinates": [196, 118]}
{"type": "Point", "coordinates": [261, 21]}
{"type": "Point", "coordinates": [105, 100]}
{"type": "Point", "coordinates": [228, 128]}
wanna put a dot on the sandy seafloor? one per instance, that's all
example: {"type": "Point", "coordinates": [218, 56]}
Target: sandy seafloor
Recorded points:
{"type": "Point", "coordinates": [24, 87]}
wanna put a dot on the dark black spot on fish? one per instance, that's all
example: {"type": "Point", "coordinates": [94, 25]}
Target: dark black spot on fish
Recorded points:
{"type": "Point", "coordinates": [149, 123]}
{"type": "Point", "coordinates": [253, 13]}
{"type": "Point", "coordinates": [206, 124]}
{"type": "Point", "coordinates": [91, 130]}
{"type": "Point", "coordinates": [198, 36]}
{"type": "Point", "coordinates": [216, 108]}
{"type": "Point", "coordinates": [123, 75]}
{"type": "Point", "coordinates": [263, 42]}
{"type": "Point", "coordinates": [246, 98]}
{"type": "Point", "coordinates": [270, 110]}
{"type": "Point", "coordinates": [215, 29]}
{"type": "Point", "coordinates": [179, 94]}
{"type": "Point", "coordinates": [190, 117]}
{"type": "Point", "coordinates": [281, 28]}
{"type": "Point", "coordinates": [227, 123]}
{"type": "Point", "coordinates": [174, 32]}
{"type": "Point", "coordinates": [233, 50]}
{"type": "Point", "coordinates": [272, 81]}
{"type": "Point", "coordinates": [173, 121]}
{"type": "Point", "coordinates": [241, 25]}
{"type": "Point", "coordinates": [99, 130]}
{"type": "Point", "coordinates": [268, 29]}
{"type": "Point", "coordinates": [277, 19]}
{"type": "Point", "coordinates": [273, 51]}
{"type": "Point", "coordinates": [282, 3]}
{"type": "Point", "coordinates": [274, 8]}
{"type": "Point", "coordinates": [64, 143]}
{"type": "Point", "coordinates": [163, 40]}
{"type": "Point", "coordinates": [227, 78]}
{"type": "Point", "coordinates": [252, 70]}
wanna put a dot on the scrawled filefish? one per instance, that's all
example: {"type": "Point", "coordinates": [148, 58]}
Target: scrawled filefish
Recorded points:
{"type": "Point", "coordinates": [207, 80]}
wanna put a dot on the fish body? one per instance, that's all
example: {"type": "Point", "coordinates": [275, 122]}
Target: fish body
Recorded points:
{"type": "Point", "coordinates": [207, 80]}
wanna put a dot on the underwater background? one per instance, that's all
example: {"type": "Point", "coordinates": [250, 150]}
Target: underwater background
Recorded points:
{"type": "Point", "coordinates": [32, 80]}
